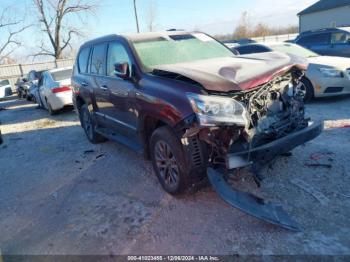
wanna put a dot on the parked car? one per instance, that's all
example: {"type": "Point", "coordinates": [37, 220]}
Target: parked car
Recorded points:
{"type": "Point", "coordinates": [5, 88]}
{"type": "Point", "coordinates": [193, 108]}
{"type": "Point", "coordinates": [55, 89]}
{"type": "Point", "coordinates": [329, 41]}
{"type": "Point", "coordinates": [241, 41]}
{"type": "Point", "coordinates": [325, 75]}
{"type": "Point", "coordinates": [22, 87]}
{"type": "Point", "coordinates": [34, 79]}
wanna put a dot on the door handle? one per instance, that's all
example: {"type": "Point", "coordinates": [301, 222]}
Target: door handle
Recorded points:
{"type": "Point", "coordinates": [84, 84]}
{"type": "Point", "coordinates": [104, 87]}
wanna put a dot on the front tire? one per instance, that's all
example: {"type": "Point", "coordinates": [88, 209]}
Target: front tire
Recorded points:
{"type": "Point", "coordinates": [89, 125]}
{"type": "Point", "coordinates": [308, 88]}
{"type": "Point", "coordinates": [168, 159]}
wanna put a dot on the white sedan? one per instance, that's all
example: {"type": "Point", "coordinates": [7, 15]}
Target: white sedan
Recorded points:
{"type": "Point", "coordinates": [5, 88]}
{"type": "Point", "coordinates": [55, 89]}
{"type": "Point", "coordinates": [325, 75]}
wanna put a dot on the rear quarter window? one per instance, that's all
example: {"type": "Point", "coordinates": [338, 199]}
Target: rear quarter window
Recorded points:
{"type": "Point", "coordinates": [83, 60]}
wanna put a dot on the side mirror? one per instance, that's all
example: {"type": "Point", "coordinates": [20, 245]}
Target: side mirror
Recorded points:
{"type": "Point", "coordinates": [35, 82]}
{"type": "Point", "coordinates": [122, 70]}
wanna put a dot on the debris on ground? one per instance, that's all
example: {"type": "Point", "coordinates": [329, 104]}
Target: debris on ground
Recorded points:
{"type": "Point", "coordinates": [309, 189]}
{"type": "Point", "coordinates": [99, 156]}
{"type": "Point", "coordinates": [319, 165]}
{"type": "Point", "coordinates": [320, 159]}
{"type": "Point", "coordinates": [89, 151]}
{"type": "Point", "coordinates": [342, 123]}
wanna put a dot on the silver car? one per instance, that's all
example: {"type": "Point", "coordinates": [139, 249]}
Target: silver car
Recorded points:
{"type": "Point", "coordinates": [325, 75]}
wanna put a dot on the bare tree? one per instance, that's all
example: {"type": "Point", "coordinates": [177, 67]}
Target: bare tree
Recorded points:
{"type": "Point", "coordinates": [244, 27]}
{"type": "Point", "coordinates": [136, 18]}
{"type": "Point", "coordinates": [54, 17]}
{"type": "Point", "coordinates": [152, 15]}
{"type": "Point", "coordinates": [9, 29]}
{"type": "Point", "coordinates": [261, 29]}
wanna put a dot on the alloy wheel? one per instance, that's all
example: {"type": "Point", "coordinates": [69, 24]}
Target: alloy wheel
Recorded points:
{"type": "Point", "coordinates": [87, 123]}
{"type": "Point", "coordinates": [167, 165]}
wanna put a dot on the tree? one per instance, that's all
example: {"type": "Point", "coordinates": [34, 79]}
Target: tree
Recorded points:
{"type": "Point", "coordinates": [261, 30]}
{"type": "Point", "coordinates": [243, 29]}
{"type": "Point", "coordinates": [10, 28]}
{"type": "Point", "coordinates": [54, 17]}
{"type": "Point", "coordinates": [152, 14]}
{"type": "Point", "coordinates": [136, 18]}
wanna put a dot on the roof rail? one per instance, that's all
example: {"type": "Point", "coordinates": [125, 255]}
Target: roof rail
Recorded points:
{"type": "Point", "coordinates": [319, 30]}
{"type": "Point", "coordinates": [174, 29]}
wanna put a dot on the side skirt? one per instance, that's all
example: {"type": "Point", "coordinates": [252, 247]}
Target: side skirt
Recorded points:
{"type": "Point", "coordinates": [121, 139]}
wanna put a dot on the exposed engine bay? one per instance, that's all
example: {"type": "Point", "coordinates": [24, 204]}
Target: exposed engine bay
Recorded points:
{"type": "Point", "coordinates": [276, 124]}
{"type": "Point", "coordinates": [273, 110]}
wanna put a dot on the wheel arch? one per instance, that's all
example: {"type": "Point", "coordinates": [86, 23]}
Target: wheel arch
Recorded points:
{"type": "Point", "coordinates": [148, 124]}
{"type": "Point", "coordinates": [311, 85]}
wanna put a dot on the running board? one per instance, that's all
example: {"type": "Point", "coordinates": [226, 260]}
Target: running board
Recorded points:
{"type": "Point", "coordinates": [250, 204]}
{"type": "Point", "coordinates": [119, 138]}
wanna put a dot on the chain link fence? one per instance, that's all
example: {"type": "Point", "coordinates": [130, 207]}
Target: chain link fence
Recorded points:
{"type": "Point", "coordinates": [15, 71]}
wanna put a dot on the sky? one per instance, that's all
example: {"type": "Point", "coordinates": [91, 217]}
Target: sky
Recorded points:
{"type": "Point", "coordinates": [211, 16]}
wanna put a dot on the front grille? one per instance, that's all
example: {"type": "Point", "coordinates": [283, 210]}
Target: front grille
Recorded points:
{"type": "Point", "coordinates": [333, 89]}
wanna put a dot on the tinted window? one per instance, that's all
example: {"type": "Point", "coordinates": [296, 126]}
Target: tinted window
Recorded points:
{"type": "Point", "coordinates": [41, 78]}
{"type": "Point", "coordinates": [251, 49]}
{"type": "Point", "coordinates": [315, 39]}
{"type": "Point", "coordinates": [340, 38]}
{"type": "Point", "coordinates": [4, 82]}
{"type": "Point", "coordinates": [61, 75]}
{"type": "Point", "coordinates": [32, 75]}
{"type": "Point", "coordinates": [83, 60]}
{"type": "Point", "coordinates": [116, 54]}
{"type": "Point", "coordinates": [98, 65]}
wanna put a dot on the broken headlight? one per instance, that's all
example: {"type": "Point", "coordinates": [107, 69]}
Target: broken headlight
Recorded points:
{"type": "Point", "coordinates": [217, 110]}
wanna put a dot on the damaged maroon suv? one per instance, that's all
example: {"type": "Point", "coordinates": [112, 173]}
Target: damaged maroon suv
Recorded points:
{"type": "Point", "coordinates": [193, 108]}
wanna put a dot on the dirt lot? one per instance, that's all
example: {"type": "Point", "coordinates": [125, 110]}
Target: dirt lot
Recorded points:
{"type": "Point", "coordinates": [61, 195]}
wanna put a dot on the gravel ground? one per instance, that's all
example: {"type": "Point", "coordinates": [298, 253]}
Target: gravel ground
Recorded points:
{"type": "Point", "coordinates": [61, 195]}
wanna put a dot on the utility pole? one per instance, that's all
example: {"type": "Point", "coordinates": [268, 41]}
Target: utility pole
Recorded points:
{"type": "Point", "coordinates": [137, 20]}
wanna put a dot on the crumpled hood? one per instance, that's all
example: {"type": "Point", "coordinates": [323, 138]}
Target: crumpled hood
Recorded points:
{"type": "Point", "coordinates": [333, 61]}
{"type": "Point", "coordinates": [236, 73]}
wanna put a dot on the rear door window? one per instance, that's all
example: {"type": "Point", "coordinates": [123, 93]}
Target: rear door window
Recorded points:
{"type": "Point", "coordinates": [83, 60]}
{"type": "Point", "coordinates": [98, 60]}
{"type": "Point", "coordinates": [252, 49]}
{"type": "Point", "coordinates": [316, 39]}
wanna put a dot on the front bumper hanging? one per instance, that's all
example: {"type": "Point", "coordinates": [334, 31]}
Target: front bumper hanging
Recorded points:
{"type": "Point", "coordinates": [249, 203]}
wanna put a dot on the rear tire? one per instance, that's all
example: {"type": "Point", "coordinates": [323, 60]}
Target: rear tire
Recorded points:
{"type": "Point", "coordinates": [49, 108]}
{"type": "Point", "coordinates": [89, 125]}
{"type": "Point", "coordinates": [169, 162]}
{"type": "Point", "coordinates": [308, 88]}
